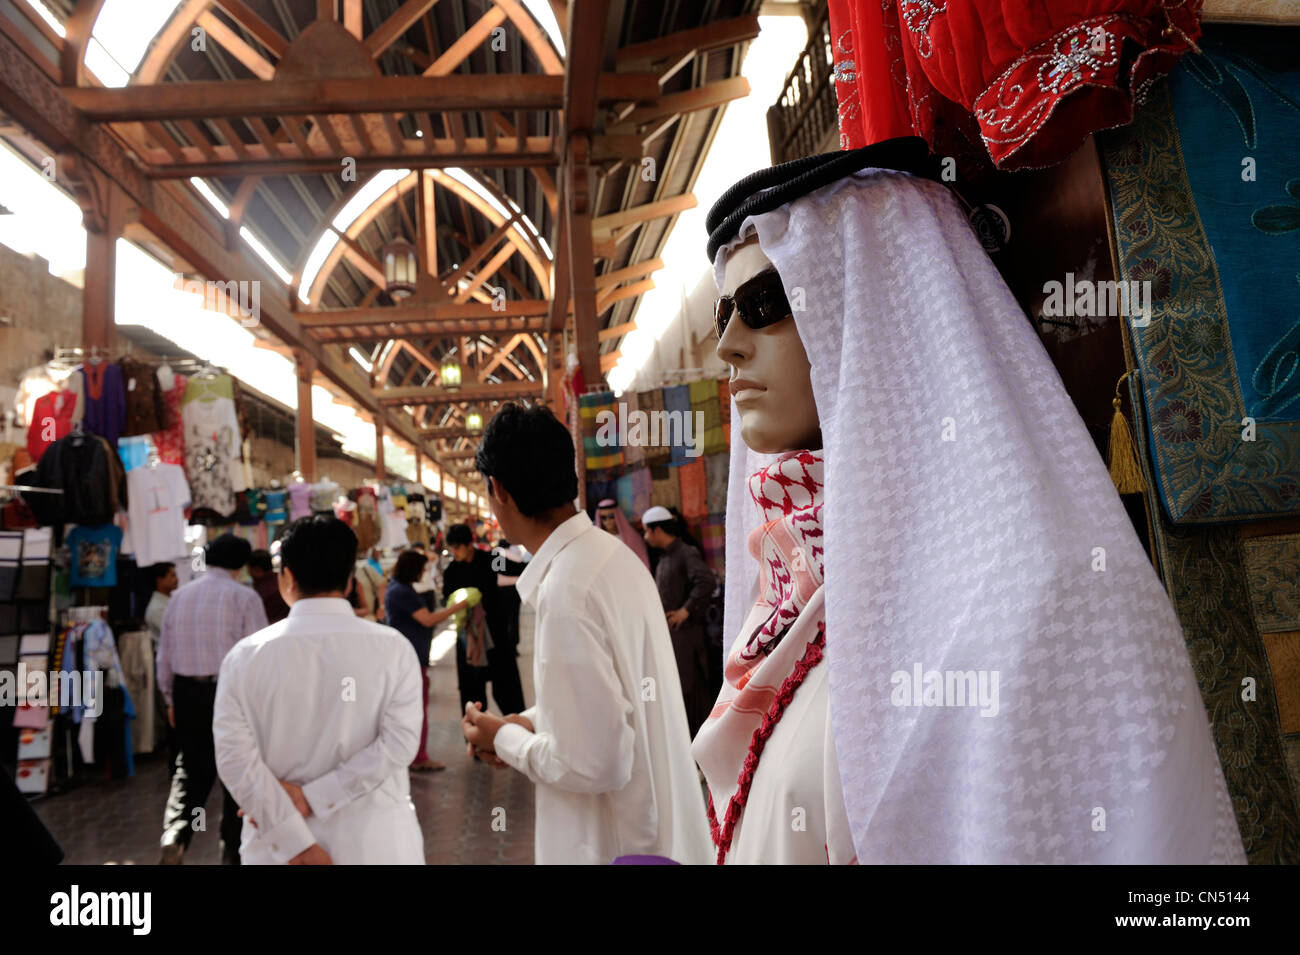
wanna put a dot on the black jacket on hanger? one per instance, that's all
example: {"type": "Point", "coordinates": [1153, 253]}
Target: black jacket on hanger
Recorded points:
{"type": "Point", "coordinates": [89, 473]}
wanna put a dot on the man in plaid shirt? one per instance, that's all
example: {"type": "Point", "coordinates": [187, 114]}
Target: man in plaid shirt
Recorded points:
{"type": "Point", "coordinates": [204, 619]}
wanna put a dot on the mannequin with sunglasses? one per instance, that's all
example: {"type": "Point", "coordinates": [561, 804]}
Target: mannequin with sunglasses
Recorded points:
{"type": "Point", "coordinates": [789, 811]}
{"type": "Point", "coordinates": [915, 509]}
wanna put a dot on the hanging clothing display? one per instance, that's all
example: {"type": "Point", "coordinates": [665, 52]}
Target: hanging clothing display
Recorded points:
{"type": "Point", "coordinates": [323, 494]}
{"type": "Point", "coordinates": [978, 553]}
{"type": "Point", "coordinates": [158, 497]}
{"type": "Point", "coordinates": [51, 419]}
{"type": "Point", "coordinates": [146, 410]}
{"type": "Point", "coordinates": [94, 553]}
{"type": "Point", "coordinates": [213, 462]}
{"type": "Point", "coordinates": [104, 396]}
{"type": "Point", "coordinates": [37, 382]}
{"type": "Point", "coordinates": [89, 473]}
{"type": "Point", "coordinates": [276, 506]}
{"type": "Point", "coordinates": [169, 440]}
{"type": "Point", "coordinates": [1028, 83]}
{"type": "Point", "coordinates": [300, 493]}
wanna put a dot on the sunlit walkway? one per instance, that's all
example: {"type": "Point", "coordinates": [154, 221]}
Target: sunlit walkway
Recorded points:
{"type": "Point", "coordinates": [120, 822]}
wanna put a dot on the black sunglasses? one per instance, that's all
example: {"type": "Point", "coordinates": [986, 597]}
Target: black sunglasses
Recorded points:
{"type": "Point", "coordinates": [760, 302]}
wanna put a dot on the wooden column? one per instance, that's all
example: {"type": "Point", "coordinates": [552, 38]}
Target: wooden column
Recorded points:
{"type": "Point", "coordinates": [418, 467]}
{"type": "Point", "coordinates": [380, 471]}
{"type": "Point", "coordinates": [582, 274]}
{"type": "Point", "coordinates": [104, 214]}
{"type": "Point", "coordinates": [305, 366]}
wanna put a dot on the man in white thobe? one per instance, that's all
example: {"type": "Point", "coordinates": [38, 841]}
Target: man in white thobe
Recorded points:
{"type": "Point", "coordinates": [606, 742]}
{"type": "Point", "coordinates": [317, 718]}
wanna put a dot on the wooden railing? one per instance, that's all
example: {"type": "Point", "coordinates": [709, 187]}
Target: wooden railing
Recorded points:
{"type": "Point", "coordinates": [805, 119]}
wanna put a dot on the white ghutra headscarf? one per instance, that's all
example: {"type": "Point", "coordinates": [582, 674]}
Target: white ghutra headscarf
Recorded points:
{"type": "Point", "coordinates": [970, 525]}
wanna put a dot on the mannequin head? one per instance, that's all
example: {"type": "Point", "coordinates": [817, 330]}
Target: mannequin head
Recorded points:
{"type": "Point", "coordinates": [769, 369]}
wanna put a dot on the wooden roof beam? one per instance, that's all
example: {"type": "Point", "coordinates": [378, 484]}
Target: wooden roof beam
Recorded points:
{"type": "Point", "coordinates": [205, 99]}
{"type": "Point", "coordinates": [392, 29]}
{"type": "Point", "coordinates": [427, 312]}
{"type": "Point", "coordinates": [675, 45]}
{"type": "Point", "coordinates": [635, 271]}
{"type": "Point", "coordinates": [603, 226]}
{"type": "Point", "coordinates": [626, 292]}
{"type": "Point", "coordinates": [263, 32]}
{"type": "Point", "coordinates": [708, 96]}
{"type": "Point", "coordinates": [234, 44]}
{"type": "Point", "coordinates": [616, 331]}
{"type": "Point", "coordinates": [420, 396]}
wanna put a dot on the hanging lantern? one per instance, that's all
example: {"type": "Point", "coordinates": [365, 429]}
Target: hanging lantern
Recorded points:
{"type": "Point", "coordinates": [473, 420]}
{"type": "Point", "coordinates": [400, 269]}
{"type": "Point", "coordinates": [449, 374]}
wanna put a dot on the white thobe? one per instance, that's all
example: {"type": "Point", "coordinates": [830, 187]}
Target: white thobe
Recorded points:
{"type": "Point", "coordinates": [334, 704]}
{"type": "Point", "coordinates": [611, 752]}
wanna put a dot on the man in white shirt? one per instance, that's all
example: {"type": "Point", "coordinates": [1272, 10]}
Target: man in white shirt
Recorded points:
{"type": "Point", "coordinates": [317, 718]}
{"type": "Point", "coordinates": [606, 742]}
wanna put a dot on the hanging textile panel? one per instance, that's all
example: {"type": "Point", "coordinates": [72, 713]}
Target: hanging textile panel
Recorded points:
{"type": "Point", "coordinates": [677, 404]}
{"type": "Point", "coordinates": [1205, 192]}
{"type": "Point", "coordinates": [600, 440]}
{"type": "Point", "coordinates": [706, 417]}
{"type": "Point", "coordinates": [633, 452]}
{"type": "Point", "coordinates": [665, 488]}
{"type": "Point", "coordinates": [713, 538]}
{"type": "Point", "coordinates": [651, 403]}
{"type": "Point", "coordinates": [634, 491]}
{"type": "Point", "coordinates": [1229, 592]}
{"type": "Point", "coordinates": [695, 492]}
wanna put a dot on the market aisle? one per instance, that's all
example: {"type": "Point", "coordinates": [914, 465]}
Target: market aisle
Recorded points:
{"type": "Point", "coordinates": [120, 822]}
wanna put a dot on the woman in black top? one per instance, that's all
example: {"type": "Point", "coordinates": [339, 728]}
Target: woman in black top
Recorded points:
{"type": "Point", "coordinates": [407, 614]}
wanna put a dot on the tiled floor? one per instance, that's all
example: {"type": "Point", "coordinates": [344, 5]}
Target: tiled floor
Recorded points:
{"type": "Point", "coordinates": [121, 821]}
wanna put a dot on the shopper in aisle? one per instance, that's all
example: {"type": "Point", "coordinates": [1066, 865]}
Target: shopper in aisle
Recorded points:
{"type": "Point", "coordinates": [606, 742]}
{"type": "Point", "coordinates": [203, 620]}
{"type": "Point", "coordinates": [686, 588]}
{"type": "Point", "coordinates": [409, 616]}
{"type": "Point", "coordinates": [165, 583]}
{"type": "Point", "coordinates": [317, 717]}
{"type": "Point", "coordinates": [267, 586]}
{"type": "Point", "coordinates": [472, 567]}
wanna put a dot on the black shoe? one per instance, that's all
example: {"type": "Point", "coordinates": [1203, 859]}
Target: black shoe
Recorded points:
{"type": "Point", "coordinates": [172, 854]}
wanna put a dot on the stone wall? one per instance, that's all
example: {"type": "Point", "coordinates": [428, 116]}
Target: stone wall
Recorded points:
{"type": "Point", "coordinates": [38, 312]}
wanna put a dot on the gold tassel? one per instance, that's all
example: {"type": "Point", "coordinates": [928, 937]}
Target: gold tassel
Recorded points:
{"type": "Point", "coordinates": [1124, 470]}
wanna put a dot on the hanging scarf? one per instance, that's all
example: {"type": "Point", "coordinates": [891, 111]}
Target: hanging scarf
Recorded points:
{"type": "Point", "coordinates": [782, 639]}
{"type": "Point", "coordinates": [787, 545]}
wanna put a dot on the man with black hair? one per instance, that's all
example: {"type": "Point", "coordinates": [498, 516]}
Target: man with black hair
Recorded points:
{"type": "Point", "coordinates": [606, 743]}
{"type": "Point", "coordinates": [317, 718]}
{"type": "Point", "coordinates": [164, 579]}
{"type": "Point", "coordinates": [203, 620]}
{"type": "Point", "coordinates": [267, 586]}
{"type": "Point", "coordinates": [472, 567]}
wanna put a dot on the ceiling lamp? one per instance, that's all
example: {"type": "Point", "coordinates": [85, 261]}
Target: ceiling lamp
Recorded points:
{"type": "Point", "coordinates": [449, 374]}
{"type": "Point", "coordinates": [473, 420]}
{"type": "Point", "coordinates": [400, 265]}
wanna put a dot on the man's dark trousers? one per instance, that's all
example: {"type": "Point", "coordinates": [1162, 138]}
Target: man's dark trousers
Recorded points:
{"type": "Point", "coordinates": [196, 768]}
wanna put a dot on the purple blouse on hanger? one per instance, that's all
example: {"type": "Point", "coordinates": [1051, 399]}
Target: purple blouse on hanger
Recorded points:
{"type": "Point", "coordinates": [105, 396]}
